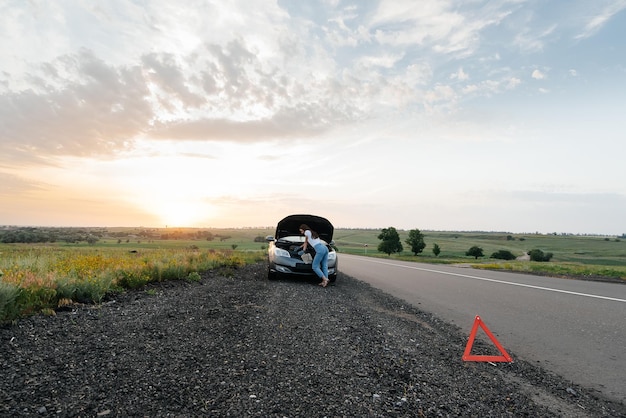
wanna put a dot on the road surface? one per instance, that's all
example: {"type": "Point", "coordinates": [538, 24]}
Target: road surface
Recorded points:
{"type": "Point", "coordinates": [574, 328]}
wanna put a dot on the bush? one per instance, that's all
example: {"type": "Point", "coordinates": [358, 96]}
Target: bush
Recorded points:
{"type": "Point", "coordinates": [8, 298]}
{"type": "Point", "coordinates": [33, 299]}
{"type": "Point", "coordinates": [503, 255]}
{"type": "Point", "coordinates": [132, 279]}
{"type": "Point", "coordinates": [475, 252]}
{"type": "Point", "coordinates": [538, 255]}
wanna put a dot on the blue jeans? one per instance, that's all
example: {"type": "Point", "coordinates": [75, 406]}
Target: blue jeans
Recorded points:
{"type": "Point", "coordinates": [320, 261]}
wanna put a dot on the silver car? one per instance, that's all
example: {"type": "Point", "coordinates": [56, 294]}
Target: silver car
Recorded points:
{"type": "Point", "coordinates": [284, 253]}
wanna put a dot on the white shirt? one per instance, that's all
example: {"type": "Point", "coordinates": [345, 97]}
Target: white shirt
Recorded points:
{"type": "Point", "coordinates": [312, 241]}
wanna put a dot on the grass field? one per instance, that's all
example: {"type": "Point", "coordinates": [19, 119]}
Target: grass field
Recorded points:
{"type": "Point", "coordinates": [40, 277]}
{"type": "Point", "coordinates": [583, 249]}
{"type": "Point", "coordinates": [573, 255]}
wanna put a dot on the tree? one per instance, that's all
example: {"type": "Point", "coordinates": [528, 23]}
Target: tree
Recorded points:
{"type": "Point", "coordinates": [390, 241]}
{"type": "Point", "coordinates": [475, 252]}
{"type": "Point", "coordinates": [538, 255]}
{"type": "Point", "coordinates": [503, 255]}
{"type": "Point", "coordinates": [436, 250]}
{"type": "Point", "coordinates": [416, 241]}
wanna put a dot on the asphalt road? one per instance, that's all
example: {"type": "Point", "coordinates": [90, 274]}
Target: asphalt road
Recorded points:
{"type": "Point", "coordinates": [574, 328]}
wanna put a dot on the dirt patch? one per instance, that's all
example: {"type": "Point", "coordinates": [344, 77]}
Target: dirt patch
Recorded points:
{"type": "Point", "coordinates": [236, 344]}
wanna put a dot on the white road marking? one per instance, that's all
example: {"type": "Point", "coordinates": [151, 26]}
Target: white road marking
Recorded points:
{"type": "Point", "coordinates": [496, 281]}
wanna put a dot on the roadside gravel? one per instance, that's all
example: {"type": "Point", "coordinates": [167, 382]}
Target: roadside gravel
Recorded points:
{"type": "Point", "coordinates": [235, 344]}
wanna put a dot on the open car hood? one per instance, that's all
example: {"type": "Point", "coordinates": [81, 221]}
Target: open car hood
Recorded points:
{"type": "Point", "coordinates": [290, 226]}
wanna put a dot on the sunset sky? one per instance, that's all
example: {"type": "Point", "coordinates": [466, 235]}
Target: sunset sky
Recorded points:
{"type": "Point", "coordinates": [439, 115]}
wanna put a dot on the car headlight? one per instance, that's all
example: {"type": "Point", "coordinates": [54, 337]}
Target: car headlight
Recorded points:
{"type": "Point", "coordinates": [279, 252]}
{"type": "Point", "coordinates": [332, 255]}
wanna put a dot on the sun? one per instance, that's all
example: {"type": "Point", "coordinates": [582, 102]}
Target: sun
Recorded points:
{"type": "Point", "coordinates": [180, 213]}
{"type": "Point", "coordinates": [176, 190]}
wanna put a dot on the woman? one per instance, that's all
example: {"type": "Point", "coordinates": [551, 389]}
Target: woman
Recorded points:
{"type": "Point", "coordinates": [320, 261]}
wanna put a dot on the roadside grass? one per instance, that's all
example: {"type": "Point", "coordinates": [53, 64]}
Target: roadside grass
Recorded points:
{"type": "Point", "coordinates": [41, 278]}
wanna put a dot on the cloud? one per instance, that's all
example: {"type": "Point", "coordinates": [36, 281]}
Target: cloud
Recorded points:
{"type": "Point", "coordinates": [77, 105]}
{"type": "Point", "coordinates": [144, 74]}
{"type": "Point", "coordinates": [533, 40]}
{"type": "Point", "coordinates": [437, 26]}
{"type": "Point", "coordinates": [597, 22]}
{"type": "Point", "coordinates": [513, 83]}
{"type": "Point", "coordinates": [460, 75]}
{"type": "Point", "coordinates": [492, 86]}
{"type": "Point", "coordinates": [11, 185]}
{"type": "Point", "coordinates": [140, 72]}
{"type": "Point", "coordinates": [538, 75]}
{"type": "Point", "coordinates": [383, 61]}
{"type": "Point", "coordinates": [238, 131]}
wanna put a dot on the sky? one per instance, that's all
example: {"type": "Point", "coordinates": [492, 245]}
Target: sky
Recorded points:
{"type": "Point", "coordinates": [433, 115]}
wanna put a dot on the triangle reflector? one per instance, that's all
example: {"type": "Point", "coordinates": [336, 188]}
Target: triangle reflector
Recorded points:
{"type": "Point", "coordinates": [467, 356]}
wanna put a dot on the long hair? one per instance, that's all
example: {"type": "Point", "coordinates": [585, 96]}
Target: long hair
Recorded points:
{"type": "Point", "coordinates": [305, 227]}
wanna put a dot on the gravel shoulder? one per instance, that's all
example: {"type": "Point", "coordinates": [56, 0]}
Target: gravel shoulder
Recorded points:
{"type": "Point", "coordinates": [236, 344]}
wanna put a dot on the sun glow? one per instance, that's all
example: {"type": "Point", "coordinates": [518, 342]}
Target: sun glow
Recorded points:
{"type": "Point", "coordinates": [182, 214]}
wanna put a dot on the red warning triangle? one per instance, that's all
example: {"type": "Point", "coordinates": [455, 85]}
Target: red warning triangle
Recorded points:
{"type": "Point", "coordinates": [505, 357]}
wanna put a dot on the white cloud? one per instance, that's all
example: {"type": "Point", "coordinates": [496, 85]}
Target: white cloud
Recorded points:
{"type": "Point", "coordinates": [470, 88]}
{"type": "Point", "coordinates": [383, 61]}
{"type": "Point", "coordinates": [97, 110]}
{"type": "Point", "coordinates": [513, 83]}
{"type": "Point", "coordinates": [538, 75]}
{"type": "Point", "coordinates": [460, 75]}
{"type": "Point", "coordinates": [436, 25]}
{"type": "Point", "coordinates": [597, 21]}
{"type": "Point", "coordinates": [531, 40]}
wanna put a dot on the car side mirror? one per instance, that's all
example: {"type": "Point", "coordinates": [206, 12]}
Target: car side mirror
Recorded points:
{"type": "Point", "coordinates": [269, 238]}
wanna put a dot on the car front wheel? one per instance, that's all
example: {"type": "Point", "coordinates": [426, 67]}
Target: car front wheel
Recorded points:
{"type": "Point", "coordinates": [271, 275]}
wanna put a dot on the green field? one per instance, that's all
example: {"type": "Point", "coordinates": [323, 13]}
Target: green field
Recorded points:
{"type": "Point", "coordinates": [596, 252]}
{"type": "Point", "coordinates": [573, 255]}
{"type": "Point", "coordinates": [576, 249]}
{"type": "Point", "coordinates": [243, 239]}
{"type": "Point", "coordinates": [42, 269]}
{"type": "Point", "coordinates": [584, 249]}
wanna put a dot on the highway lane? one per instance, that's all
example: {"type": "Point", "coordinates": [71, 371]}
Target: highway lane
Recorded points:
{"type": "Point", "coordinates": [574, 328]}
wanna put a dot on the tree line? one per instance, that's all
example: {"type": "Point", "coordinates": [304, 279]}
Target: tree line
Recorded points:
{"type": "Point", "coordinates": [32, 235]}
{"type": "Point", "coordinates": [390, 243]}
